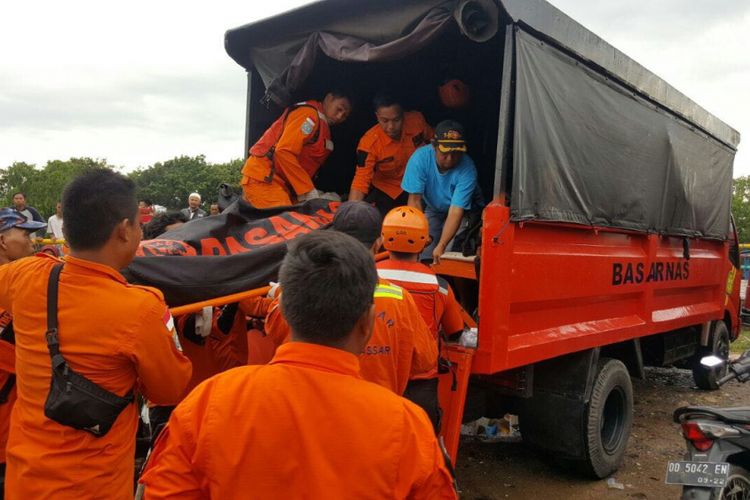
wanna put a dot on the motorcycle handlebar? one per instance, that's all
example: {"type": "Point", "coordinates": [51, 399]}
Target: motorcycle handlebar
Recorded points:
{"type": "Point", "coordinates": [739, 370]}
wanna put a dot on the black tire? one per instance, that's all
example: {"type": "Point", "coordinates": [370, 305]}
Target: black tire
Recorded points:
{"type": "Point", "coordinates": [609, 417]}
{"type": "Point", "coordinates": [705, 378]}
{"type": "Point", "coordinates": [737, 488]}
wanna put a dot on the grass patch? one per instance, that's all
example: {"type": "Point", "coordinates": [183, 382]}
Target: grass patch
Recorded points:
{"type": "Point", "coordinates": [742, 343]}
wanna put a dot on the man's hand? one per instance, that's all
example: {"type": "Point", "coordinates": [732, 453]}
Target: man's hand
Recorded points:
{"type": "Point", "coordinates": [438, 252]}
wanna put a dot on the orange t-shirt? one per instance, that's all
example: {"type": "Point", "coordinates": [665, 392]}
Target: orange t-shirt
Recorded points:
{"type": "Point", "coordinates": [401, 345]}
{"type": "Point", "coordinates": [432, 294]}
{"type": "Point", "coordinates": [303, 426]}
{"type": "Point", "coordinates": [381, 161]}
{"type": "Point", "coordinates": [119, 336]}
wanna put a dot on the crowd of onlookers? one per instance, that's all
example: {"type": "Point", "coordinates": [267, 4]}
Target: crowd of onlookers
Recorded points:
{"type": "Point", "coordinates": [155, 219]}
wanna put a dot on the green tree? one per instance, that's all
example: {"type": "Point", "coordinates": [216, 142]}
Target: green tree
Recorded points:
{"type": "Point", "coordinates": [43, 187]}
{"type": "Point", "coordinates": [18, 177]}
{"type": "Point", "coordinates": [741, 207]}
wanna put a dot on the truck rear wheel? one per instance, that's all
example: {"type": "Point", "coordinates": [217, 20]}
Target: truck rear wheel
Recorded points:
{"type": "Point", "coordinates": [608, 419]}
{"type": "Point", "coordinates": [705, 378]}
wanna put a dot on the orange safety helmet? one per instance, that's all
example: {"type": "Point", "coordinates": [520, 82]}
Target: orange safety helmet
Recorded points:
{"type": "Point", "coordinates": [405, 229]}
{"type": "Point", "coordinates": [454, 94]}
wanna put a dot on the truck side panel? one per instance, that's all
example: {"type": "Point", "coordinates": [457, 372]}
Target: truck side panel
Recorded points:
{"type": "Point", "coordinates": [549, 289]}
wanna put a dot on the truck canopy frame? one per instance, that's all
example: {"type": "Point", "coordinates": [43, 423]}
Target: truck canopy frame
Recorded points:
{"type": "Point", "coordinates": [587, 135]}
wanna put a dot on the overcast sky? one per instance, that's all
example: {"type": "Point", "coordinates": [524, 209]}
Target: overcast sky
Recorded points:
{"type": "Point", "coordinates": [143, 81]}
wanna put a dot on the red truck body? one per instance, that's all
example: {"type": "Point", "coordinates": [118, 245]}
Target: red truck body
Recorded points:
{"type": "Point", "coordinates": [608, 228]}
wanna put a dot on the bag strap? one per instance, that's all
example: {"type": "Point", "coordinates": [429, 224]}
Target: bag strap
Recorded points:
{"type": "Point", "coordinates": [53, 343]}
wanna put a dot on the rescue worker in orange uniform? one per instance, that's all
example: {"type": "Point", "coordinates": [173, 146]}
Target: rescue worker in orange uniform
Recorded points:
{"type": "Point", "coordinates": [15, 243]}
{"type": "Point", "coordinates": [117, 335]}
{"type": "Point", "coordinates": [405, 234]}
{"type": "Point", "coordinates": [305, 425]}
{"type": "Point", "coordinates": [284, 161]}
{"type": "Point", "coordinates": [383, 151]}
{"type": "Point", "coordinates": [401, 345]}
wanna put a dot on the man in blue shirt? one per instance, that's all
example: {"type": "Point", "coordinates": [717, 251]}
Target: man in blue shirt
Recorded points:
{"type": "Point", "coordinates": [444, 178]}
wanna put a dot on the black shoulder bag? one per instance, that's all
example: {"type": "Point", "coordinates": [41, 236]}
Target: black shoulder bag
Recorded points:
{"type": "Point", "coordinates": [74, 400]}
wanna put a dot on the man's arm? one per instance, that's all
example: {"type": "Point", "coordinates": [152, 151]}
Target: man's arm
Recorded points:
{"type": "Point", "coordinates": [300, 125]}
{"type": "Point", "coordinates": [452, 320]}
{"type": "Point", "coordinates": [425, 354]}
{"type": "Point", "coordinates": [162, 368]}
{"type": "Point", "coordinates": [276, 327]}
{"type": "Point", "coordinates": [423, 473]}
{"type": "Point", "coordinates": [450, 228]}
{"type": "Point", "coordinates": [170, 471]}
{"type": "Point", "coordinates": [366, 160]}
{"type": "Point", "coordinates": [415, 201]}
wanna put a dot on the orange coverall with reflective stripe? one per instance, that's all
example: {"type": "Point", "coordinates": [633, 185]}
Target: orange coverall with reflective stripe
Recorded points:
{"type": "Point", "coordinates": [303, 426]}
{"type": "Point", "coordinates": [401, 345]}
{"type": "Point", "coordinates": [433, 295]}
{"type": "Point", "coordinates": [381, 161]}
{"type": "Point", "coordinates": [293, 170]}
{"type": "Point", "coordinates": [111, 332]}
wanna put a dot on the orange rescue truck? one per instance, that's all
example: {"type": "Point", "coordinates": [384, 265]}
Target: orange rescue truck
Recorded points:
{"type": "Point", "coordinates": [606, 244]}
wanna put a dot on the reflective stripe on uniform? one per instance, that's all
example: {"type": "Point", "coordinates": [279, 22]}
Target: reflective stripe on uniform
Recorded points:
{"type": "Point", "coordinates": [391, 291]}
{"type": "Point", "coordinates": [408, 276]}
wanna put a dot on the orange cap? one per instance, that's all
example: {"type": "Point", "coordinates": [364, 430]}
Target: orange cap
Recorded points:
{"type": "Point", "coordinates": [405, 229]}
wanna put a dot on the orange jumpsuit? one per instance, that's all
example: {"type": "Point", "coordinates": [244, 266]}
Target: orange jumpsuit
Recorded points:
{"type": "Point", "coordinates": [215, 353]}
{"type": "Point", "coordinates": [432, 294]}
{"type": "Point", "coordinates": [381, 161]}
{"type": "Point", "coordinates": [401, 345]}
{"type": "Point", "coordinates": [303, 426]}
{"type": "Point", "coordinates": [119, 336]}
{"type": "Point", "coordinates": [284, 161]}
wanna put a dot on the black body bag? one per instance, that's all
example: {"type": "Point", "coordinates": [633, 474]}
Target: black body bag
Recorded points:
{"type": "Point", "coordinates": [74, 400]}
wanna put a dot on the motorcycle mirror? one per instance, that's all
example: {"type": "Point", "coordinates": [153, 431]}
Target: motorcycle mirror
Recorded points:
{"type": "Point", "coordinates": [712, 361]}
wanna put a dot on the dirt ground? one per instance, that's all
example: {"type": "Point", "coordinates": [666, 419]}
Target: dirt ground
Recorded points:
{"type": "Point", "coordinates": [499, 471]}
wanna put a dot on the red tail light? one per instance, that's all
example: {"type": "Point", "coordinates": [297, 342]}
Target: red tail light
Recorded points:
{"type": "Point", "coordinates": [693, 433]}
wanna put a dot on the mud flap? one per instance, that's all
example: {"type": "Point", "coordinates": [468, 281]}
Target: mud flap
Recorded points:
{"type": "Point", "coordinates": [452, 394]}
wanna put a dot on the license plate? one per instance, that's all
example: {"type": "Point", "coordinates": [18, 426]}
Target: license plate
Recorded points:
{"type": "Point", "coordinates": [708, 474]}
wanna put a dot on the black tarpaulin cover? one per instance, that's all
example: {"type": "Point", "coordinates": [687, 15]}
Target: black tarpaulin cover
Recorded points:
{"type": "Point", "coordinates": [283, 83]}
{"type": "Point", "coordinates": [239, 250]}
{"type": "Point", "coordinates": [587, 151]}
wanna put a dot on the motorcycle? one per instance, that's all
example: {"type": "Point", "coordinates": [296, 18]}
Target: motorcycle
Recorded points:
{"type": "Point", "coordinates": [717, 464]}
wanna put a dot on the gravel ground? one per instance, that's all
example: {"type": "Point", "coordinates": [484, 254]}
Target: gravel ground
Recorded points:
{"type": "Point", "coordinates": [499, 471]}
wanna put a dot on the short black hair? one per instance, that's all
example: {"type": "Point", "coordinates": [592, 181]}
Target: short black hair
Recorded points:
{"type": "Point", "coordinates": [19, 192]}
{"type": "Point", "coordinates": [328, 281]}
{"type": "Point", "coordinates": [342, 92]}
{"type": "Point", "coordinates": [147, 202]}
{"type": "Point", "coordinates": [158, 225]}
{"type": "Point", "coordinates": [384, 99]}
{"type": "Point", "coordinates": [94, 203]}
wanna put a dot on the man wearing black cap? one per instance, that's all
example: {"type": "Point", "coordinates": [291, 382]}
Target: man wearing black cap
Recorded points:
{"type": "Point", "coordinates": [444, 178]}
{"type": "Point", "coordinates": [15, 243]}
{"type": "Point", "coordinates": [15, 230]}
